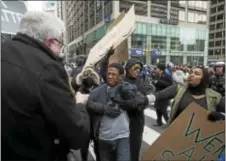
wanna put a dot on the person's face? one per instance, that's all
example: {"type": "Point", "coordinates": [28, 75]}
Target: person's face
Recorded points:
{"type": "Point", "coordinates": [134, 71]}
{"type": "Point", "coordinates": [54, 45]}
{"type": "Point", "coordinates": [113, 76]}
{"type": "Point", "coordinates": [195, 77]}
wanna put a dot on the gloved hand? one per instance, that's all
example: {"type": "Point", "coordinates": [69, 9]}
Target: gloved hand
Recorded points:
{"type": "Point", "coordinates": [151, 98]}
{"type": "Point", "coordinates": [215, 116]}
{"type": "Point", "coordinates": [110, 52]}
{"type": "Point", "coordinates": [81, 98]}
{"type": "Point", "coordinates": [112, 111]}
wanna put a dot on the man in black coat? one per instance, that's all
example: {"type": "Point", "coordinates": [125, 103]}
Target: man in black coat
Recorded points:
{"type": "Point", "coordinates": [161, 106]}
{"type": "Point", "coordinates": [39, 113]}
{"type": "Point", "coordinates": [136, 116]}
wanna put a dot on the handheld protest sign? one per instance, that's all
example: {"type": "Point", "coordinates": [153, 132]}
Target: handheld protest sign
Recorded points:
{"type": "Point", "coordinates": [190, 137]}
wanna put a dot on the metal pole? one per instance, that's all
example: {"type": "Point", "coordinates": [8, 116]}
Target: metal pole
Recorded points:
{"type": "Point", "coordinates": [65, 33]}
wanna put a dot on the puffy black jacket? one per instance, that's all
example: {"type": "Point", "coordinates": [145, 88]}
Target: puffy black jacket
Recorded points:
{"type": "Point", "coordinates": [37, 104]}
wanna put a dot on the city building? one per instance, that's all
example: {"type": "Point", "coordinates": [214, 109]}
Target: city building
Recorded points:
{"type": "Point", "coordinates": [11, 13]}
{"type": "Point", "coordinates": [216, 31]}
{"type": "Point", "coordinates": [175, 31]}
{"type": "Point", "coordinates": [50, 6]}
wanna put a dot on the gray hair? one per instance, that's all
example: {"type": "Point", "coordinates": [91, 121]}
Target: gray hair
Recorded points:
{"type": "Point", "coordinates": [40, 25]}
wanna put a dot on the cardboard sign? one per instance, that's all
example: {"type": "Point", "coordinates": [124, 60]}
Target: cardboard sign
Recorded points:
{"type": "Point", "coordinates": [120, 54]}
{"type": "Point", "coordinates": [121, 51]}
{"type": "Point", "coordinates": [190, 137]}
{"type": "Point", "coordinates": [119, 33]}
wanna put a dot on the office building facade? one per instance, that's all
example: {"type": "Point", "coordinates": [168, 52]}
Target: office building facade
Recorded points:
{"type": "Point", "coordinates": [175, 31]}
{"type": "Point", "coordinates": [216, 31]}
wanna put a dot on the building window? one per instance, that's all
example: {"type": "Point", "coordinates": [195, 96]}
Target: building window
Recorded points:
{"type": "Point", "coordinates": [195, 60]}
{"type": "Point", "coordinates": [211, 36]}
{"type": "Point", "coordinates": [176, 60]}
{"type": "Point", "coordinates": [211, 44]}
{"type": "Point", "coordinates": [220, 17]}
{"type": "Point", "coordinates": [200, 45]}
{"type": "Point", "coordinates": [182, 15]}
{"type": "Point", "coordinates": [210, 52]}
{"type": "Point", "coordinates": [220, 26]}
{"type": "Point", "coordinates": [218, 43]}
{"type": "Point", "coordinates": [213, 10]}
{"type": "Point", "coordinates": [191, 17]}
{"type": "Point", "coordinates": [212, 27]}
{"type": "Point", "coordinates": [139, 41]}
{"type": "Point", "coordinates": [220, 8]}
{"type": "Point", "coordinates": [213, 18]}
{"type": "Point", "coordinates": [158, 42]}
{"type": "Point", "coordinates": [219, 34]}
{"type": "Point", "coordinates": [175, 44]}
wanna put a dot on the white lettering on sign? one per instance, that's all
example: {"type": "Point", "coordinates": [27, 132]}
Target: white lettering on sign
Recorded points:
{"type": "Point", "coordinates": [16, 17]}
{"type": "Point", "coordinates": [3, 4]}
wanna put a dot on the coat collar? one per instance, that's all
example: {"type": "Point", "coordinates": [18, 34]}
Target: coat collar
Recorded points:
{"type": "Point", "coordinates": [35, 43]}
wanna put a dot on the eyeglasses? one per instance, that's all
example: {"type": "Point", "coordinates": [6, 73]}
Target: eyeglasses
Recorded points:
{"type": "Point", "coordinates": [60, 42]}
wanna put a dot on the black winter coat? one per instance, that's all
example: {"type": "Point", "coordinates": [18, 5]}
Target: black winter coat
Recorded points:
{"type": "Point", "coordinates": [37, 104]}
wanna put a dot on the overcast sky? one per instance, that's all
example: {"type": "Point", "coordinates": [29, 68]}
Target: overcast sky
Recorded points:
{"type": "Point", "coordinates": [35, 5]}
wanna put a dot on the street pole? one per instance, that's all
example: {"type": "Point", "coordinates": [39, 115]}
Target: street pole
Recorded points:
{"type": "Point", "coordinates": [65, 32]}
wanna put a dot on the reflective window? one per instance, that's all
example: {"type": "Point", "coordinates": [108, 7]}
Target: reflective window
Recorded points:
{"type": "Point", "coordinates": [182, 15]}
{"type": "Point", "coordinates": [176, 60]}
{"type": "Point", "coordinates": [158, 42]}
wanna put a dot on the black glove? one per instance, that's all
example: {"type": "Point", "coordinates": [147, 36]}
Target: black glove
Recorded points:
{"type": "Point", "coordinates": [110, 52]}
{"type": "Point", "coordinates": [112, 111]}
{"type": "Point", "coordinates": [215, 116]}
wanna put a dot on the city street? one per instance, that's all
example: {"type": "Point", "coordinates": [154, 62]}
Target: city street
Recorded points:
{"type": "Point", "coordinates": [150, 134]}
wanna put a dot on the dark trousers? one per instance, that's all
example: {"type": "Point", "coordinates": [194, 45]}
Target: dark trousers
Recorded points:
{"type": "Point", "coordinates": [161, 110]}
{"type": "Point", "coordinates": [136, 136]}
{"type": "Point", "coordinates": [115, 150]}
{"type": "Point", "coordinates": [85, 151]}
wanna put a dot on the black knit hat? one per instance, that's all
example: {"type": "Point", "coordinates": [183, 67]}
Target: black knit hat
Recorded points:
{"type": "Point", "coordinates": [117, 66]}
{"type": "Point", "coordinates": [132, 62]}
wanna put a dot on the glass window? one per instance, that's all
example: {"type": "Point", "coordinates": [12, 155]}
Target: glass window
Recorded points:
{"type": "Point", "coordinates": [210, 52]}
{"type": "Point", "coordinates": [191, 3]}
{"type": "Point", "coordinates": [218, 43]}
{"type": "Point", "coordinates": [211, 36]}
{"type": "Point", "coordinates": [220, 25]}
{"type": "Point", "coordinates": [220, 17]}
{"type": "Point", "coordinates": [153, 29]}
{"type": "Point", "coordinates": [176, 60]}
{"type": "Point", "coordinates": [175, 44]}
{"type": "Point", "coordinates": [195, 60]}
{"type": "Point", "coordinates": [219, 34]}
{"type": "Point", "coordinates": [200, 45]}
{"type": "Point", "coordinates": [182, 15]}
{"type": "Point", "coordinates": [220, 8]}
{"type": "Point", "coordinates": [191, 17]}
{"type": "Point", "coordinates": [191, 47]}
{"type": "Point", "coordinates": [211, 44]}
{"type": "Point", "coordinates": [139, 41]}
{"type": "Point", "coordinates": [158, 42]}
{"type": "Point", "coordinates": [213, 10]}
{"type": "Point", "coordinates": [182, 3]}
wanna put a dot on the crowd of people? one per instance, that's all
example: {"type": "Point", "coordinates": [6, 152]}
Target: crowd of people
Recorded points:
{"type": "Point", "coordinates": [45, 114]}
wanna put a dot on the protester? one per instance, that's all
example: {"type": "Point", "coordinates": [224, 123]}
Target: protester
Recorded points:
{"type": "Point", "coordinates": [38, 108]}
{"type": "Point", "coordinates": [110, 123]}
{"type": "Point", "coordinates": [196, 91]}
{"type": "Point", "coordinates": [161, 106]}
{"type": "Point", "coordinates": [136, 116]}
